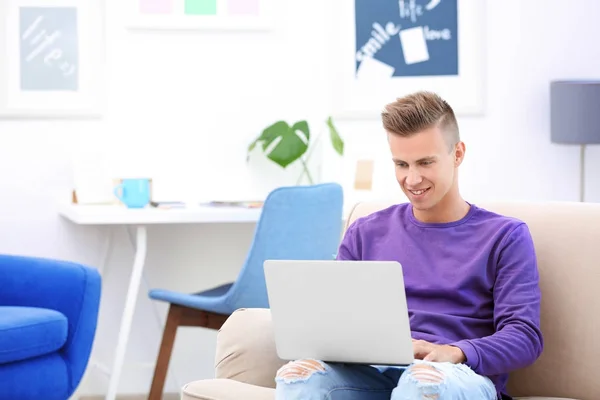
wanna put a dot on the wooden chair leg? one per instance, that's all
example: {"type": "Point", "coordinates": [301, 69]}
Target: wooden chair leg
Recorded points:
{"type": "Point", "coordinates": [164, 355]}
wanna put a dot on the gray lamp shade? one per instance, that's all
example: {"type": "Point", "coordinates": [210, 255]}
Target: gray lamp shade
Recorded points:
{"type": "Point", "coordinates": [575, 112]}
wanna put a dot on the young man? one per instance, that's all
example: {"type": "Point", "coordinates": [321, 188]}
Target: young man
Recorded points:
{"type": "Point", "coordinates": [471, 277]}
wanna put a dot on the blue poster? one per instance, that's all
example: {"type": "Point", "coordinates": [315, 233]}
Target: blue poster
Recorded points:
{"type": "Point", "coordinates": [49, 48]}
{"type": "Point", "coordinates": [400, 38]}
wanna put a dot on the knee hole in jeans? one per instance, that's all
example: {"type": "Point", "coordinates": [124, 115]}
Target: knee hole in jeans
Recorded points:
{"type": "Point", "coordinates": [300, 370]}
{"type": "Point", "coordinates": [428, 380]}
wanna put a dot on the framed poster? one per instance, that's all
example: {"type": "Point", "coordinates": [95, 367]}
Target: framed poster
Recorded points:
{"type": "Point", "coordinates": [384, 49]}
{"type": "Point", "coordinates": [53, 58]}
{"type": "Point", "coordinates": [200, 14]}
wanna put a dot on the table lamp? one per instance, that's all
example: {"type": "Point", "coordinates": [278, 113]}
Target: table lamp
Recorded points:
{"type": "Point", "coordinates": [575, 117]}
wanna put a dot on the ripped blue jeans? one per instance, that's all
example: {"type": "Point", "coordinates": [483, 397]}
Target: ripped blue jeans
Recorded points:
{"type": "Point", "coordinates": [315, 380]}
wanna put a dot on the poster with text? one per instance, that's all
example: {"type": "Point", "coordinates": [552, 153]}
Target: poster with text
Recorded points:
{"type": "Point", "coordinates": [48, 49]}
{"type": "Point", "coordinates": [384, 49]}
{"type": "Point", "coordinates": [56, 58]}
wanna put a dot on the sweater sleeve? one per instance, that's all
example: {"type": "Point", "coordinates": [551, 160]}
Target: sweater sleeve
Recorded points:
{"type": "Point", "coordinates": [349, 247]}
{"type": "Point", "coordinates": [518, 341]}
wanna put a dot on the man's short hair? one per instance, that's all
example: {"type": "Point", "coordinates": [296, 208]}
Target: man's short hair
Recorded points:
{"type": "Point", "coordinates": [419, 111]}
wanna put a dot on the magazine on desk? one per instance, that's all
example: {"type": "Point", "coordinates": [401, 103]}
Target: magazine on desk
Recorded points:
{"type": "Point", "coordinates": [228, 204]}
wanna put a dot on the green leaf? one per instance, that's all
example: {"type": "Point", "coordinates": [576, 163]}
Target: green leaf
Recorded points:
{"type": "Point", "coordinates": [302, 126]}
{"type": "Point", "coordinates": [336, 140]}
{"type": "Point", "coordinates": [267, 136]}
{"type": "Point", "coordinates": [284, 144]}
{"type": "Point", "coordinates": [252, 146]}
{"type": "Point", "coordinates": [271, 133]}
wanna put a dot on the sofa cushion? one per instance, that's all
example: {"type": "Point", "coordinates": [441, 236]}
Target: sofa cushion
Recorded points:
{"type": "Point", "coordinates": [225, 389]}
{"type": "Point", "coordinates": [27, 332]}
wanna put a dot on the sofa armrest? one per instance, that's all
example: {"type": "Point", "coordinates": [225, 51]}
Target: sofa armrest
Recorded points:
{"type": "Point", "coordinates": [72, 289]}
{"type": "Point", "coordinates": [246, 348]}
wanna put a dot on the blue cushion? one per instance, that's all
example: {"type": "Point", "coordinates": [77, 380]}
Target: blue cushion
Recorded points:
{"type": "Point", "coordinates": [27, 332]}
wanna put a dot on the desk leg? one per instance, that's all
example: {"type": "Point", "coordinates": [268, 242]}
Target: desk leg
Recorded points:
{"type": "Point", "coordinates": [127, 318]}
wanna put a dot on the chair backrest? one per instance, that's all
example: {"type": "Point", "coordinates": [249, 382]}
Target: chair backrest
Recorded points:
{"type": "Point", "coordinates": [567, 242]}
{"type": "Point", "coordinates": [296, 223]}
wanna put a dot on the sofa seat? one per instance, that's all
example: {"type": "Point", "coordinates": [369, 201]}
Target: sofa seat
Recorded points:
{"type": "Point", "coordinates": [227, 389]}
{"type": "Point", "coordinates": [28, 332]}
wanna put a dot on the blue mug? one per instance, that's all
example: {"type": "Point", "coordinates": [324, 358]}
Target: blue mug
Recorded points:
{"type": "Point", "coordinates": [134, 193]}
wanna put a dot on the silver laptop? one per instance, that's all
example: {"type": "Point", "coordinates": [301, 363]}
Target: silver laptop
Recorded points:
{"type": "Point", "coordinates": [340, 311]}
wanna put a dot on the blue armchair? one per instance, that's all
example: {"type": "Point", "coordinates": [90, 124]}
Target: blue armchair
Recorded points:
{"type": "Point", "coordinates": [48, 316]}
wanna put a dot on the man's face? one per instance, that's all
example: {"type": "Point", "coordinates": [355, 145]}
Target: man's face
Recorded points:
{"type": "Point", "coordinates": [425, 166]}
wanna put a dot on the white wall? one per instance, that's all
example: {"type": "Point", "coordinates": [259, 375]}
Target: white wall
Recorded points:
{"type": "Point", "coordinates": [183, 106]}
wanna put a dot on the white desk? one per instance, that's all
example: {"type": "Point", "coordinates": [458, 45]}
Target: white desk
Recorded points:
{"type": "Point", "coordinates": [140, 218]}
{"type": "Point", "coordinates": [118, 215]}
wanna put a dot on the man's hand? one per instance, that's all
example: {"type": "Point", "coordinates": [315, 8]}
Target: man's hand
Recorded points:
{"type": "Point", "coordinates": [438, 353]}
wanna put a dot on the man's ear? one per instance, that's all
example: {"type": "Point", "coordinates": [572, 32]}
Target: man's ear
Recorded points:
{"type": "Point", "coordinates": [459, 153]}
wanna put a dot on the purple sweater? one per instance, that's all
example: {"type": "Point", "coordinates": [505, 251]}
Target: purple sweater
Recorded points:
{"type": "Point", "coordinates": [472, 283]}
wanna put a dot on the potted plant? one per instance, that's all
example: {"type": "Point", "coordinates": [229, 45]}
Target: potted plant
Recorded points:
{"type": "Point", "coordinates": [284, 144]}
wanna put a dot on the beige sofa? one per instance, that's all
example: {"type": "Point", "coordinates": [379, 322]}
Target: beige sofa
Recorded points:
{"type": "Point", "coordinates": [567, 240]}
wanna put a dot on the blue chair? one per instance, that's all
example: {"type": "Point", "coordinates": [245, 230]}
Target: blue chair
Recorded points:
{"type": "Point", "coordinates": [48, 316]}
{"type": "Point", "coordinates": [298, 223]}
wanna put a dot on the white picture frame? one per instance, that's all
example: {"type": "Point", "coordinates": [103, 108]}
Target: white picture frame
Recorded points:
{"type": "Point", "coordinates": [227, 15]}
{"type": "Point", "coordinates": [55, 58]}
{"type": "Point", "coordinates": [363, 96]}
